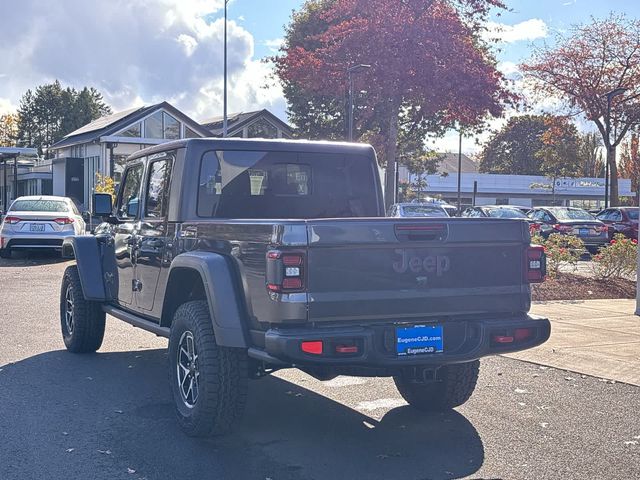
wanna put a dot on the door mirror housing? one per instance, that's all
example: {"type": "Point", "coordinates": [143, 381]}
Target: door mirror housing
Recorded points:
{"type": "Point", "coordinates": [102, 205]}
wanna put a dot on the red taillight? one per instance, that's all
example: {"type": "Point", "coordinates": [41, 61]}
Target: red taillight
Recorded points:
{"type": "Point", "coordinates": [11, 220]}
{"type": "Point", "coordinates": [601, 228]}
{"type": "Point", "coordinates": [314, 347]}
{"type": "Point", "coordinates": [534, 227]}
{"type": "Point", "coordinates": [63, 220]}
{"type": "Point", "coordinates": [535, 267]}
{"type": "Point", "coordinates": [563, 228]}
{"type": "Point", "coordinates": [285, 271]}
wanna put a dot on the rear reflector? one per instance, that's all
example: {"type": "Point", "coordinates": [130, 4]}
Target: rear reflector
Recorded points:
{"type": "Point", "coordinates": [292, 260]}
{"type": "Point", "coordinates": [502, 339]}
{"type": "Point", "coordinates": [521, 334]}
{"type": "Point", "coordinates": [347, 349]}
{"type": "Point", "coordinates": [314, 348]}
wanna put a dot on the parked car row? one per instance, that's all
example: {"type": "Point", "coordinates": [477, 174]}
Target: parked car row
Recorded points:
{"type": "Point", "coordinates": [594, 230]}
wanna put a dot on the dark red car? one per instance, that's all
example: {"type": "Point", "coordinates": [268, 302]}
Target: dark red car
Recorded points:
{"type": "Point", "coordinates": [620, 220]}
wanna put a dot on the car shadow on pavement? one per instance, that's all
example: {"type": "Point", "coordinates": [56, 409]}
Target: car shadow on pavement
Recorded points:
{"type": "Point", "coordinates": [31, 258]}
{"type": "Point", "coordinates": [110, 415]}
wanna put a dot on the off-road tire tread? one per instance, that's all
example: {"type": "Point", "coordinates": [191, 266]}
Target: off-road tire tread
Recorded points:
{"type": "Point", "coordinates": [88, 317]}
{"type": "Point", "coordinates": [226, 383]}
{"type": "Point", "coordinates": [455, 384]}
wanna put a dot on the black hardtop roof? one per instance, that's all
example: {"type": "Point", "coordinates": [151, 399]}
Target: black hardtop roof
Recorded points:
{"type": "Point", "coordinates": [281, 145]}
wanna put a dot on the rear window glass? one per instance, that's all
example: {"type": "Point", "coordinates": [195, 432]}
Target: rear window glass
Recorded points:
{"type": "Point", "coordinates": [39, 206]}
{"type": "Point", "coordinates": [253, 184]}
{"type": "Point", "coordinates": [633, 214]}
{"type": "Point", "coordinates": [423, 211]}
{"type": "Point", "coordinates": [572, 214]}
{"type": "Point", "coordinates": [506, 213]}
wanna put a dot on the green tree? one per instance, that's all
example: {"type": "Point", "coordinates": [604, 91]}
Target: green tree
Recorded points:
{"type": "Point", "coordinates": [513, 150]}
{"type": "Point", "coordinates": [50, 112]}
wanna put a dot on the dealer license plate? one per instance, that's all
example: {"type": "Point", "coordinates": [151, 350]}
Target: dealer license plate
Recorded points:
{"type": "Point", "coordinates": [34, 227]}
{"type": "Point", "coordinates": [418, 340]}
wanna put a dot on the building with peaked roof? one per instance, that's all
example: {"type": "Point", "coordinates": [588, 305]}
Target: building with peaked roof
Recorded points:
{"type": "Point", "coordinates": [103, 145]}
{"type": "Point", "coordinates": [257, 124]}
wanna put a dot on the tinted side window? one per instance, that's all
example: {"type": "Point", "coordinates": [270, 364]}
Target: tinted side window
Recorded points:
{"type": "Point", "coordinates": [615, 216]}
{"type": "Point", "coordinates": [158, 188]}
{"type": "Point", "coordinates": [603, 215]}
{"type": "Point", "coordinates": [129, 200]}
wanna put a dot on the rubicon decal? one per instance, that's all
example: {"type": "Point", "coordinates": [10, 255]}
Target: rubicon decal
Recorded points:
{"type": "Point", "coordinates": [409, 261]}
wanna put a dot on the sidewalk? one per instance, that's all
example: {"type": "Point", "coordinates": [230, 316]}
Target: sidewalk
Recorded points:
{"type": "Point", "coordinates": [600, 338]}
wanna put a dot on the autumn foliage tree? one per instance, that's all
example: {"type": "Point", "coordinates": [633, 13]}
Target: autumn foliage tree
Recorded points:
{"type": "Point", "coordinates": [428, 62]}
{"type": "Point", "coordinates": [584, 66]}
{"type": "Point", "coordinates": [8, 130]}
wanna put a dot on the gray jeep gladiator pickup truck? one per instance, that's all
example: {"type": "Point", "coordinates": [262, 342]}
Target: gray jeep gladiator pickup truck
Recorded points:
{"type": "Point", "coordinates": [256, 255]}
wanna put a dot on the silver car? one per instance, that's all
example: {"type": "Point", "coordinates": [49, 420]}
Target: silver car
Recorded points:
{"type": "Point", "coordinates": [39, 222]}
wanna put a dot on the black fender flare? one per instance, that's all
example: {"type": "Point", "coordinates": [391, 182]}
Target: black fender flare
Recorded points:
{"type": "Point", "coordinates": [88, 257]}
{"type": "Point", "coordinates": [222, 296]}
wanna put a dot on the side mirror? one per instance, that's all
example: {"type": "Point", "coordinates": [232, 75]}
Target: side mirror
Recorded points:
{"type": "Point", "coordinates": [102, 205]}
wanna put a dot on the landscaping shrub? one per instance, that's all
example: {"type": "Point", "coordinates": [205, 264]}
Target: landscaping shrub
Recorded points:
{"type": "Point", "coordinates": [560, 249]}
{"type": "Point", "coordinates": [616, 260]}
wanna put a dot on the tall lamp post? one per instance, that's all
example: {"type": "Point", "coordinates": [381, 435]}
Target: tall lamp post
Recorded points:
{"type": "Point", "coordinates": [224, 101]}
{"type": "Point", "coordinates": [459, 169]}
{"type": "Point", "coordinates": [610, 95]}
{"type": "Point", "coordinates": [350, 72]}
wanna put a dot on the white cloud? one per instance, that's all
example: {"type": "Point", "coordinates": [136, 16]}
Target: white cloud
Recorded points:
{"type": "Point", "coordinates": [133, 52]}
{"type": "Point", "coordinates": [6, 106]}
{"type": "Point", "coordinates": [531, 29]}
{"type": "Point", "coordinates": [274, 44]}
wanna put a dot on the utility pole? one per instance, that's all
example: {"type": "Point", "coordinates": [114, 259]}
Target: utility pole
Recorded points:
{"type": "Point", "coordinates": [224, 101]}
{"type": "Point", "coordinates": [350, 72]}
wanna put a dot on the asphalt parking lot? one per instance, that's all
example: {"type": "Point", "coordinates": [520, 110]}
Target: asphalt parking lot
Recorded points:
{"type": "Point", "coordinates": [109, 415]}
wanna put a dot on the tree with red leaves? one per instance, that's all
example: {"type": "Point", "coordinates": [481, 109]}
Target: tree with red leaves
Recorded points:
{"type": "Point", "coordinates": [428, 61]}
{"type": "Point", "coordinates": [583, 67]}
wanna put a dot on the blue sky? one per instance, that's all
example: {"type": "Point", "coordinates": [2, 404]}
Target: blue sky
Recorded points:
{"type": "Point", "coordinates": [139, 53]}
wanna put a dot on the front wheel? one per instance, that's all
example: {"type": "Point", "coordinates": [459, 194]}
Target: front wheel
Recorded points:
{"type": "Point", "coordinates": [208, 382]}
{"type": "Point", "coordinates": [453, 386]}
{"type": "Point", "coordinates": [82, 321]}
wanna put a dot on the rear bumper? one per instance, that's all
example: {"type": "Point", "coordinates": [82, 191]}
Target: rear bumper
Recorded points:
{"type": "Point", "coordinates": [48, 240]}
{"type": "Point", "coordinates": [464, 341]}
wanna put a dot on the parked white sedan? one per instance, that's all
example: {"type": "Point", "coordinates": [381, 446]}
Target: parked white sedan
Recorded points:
{"type": "Point", "coordinates": [38, 222]}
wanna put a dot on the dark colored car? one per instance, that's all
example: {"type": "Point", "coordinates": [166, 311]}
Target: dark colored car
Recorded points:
{"type": "Point", "coordinates": [257, 255]}
{"type": "Point", "coordinates": [500, 211]}
{"type": "Point", "coordinates": [417, 210]}
{"type": "Point", "coordinates": [571, 221]}
{"type": "Point", "coordinates": [620, 220]}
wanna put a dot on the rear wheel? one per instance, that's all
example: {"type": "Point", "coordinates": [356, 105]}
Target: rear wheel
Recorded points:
{"type": "Point", "coordinates": [208, 382]}
{"type": "Point", "coordinates": [82, 321]}
{"type": "Point", "coordinates": [453, 386]}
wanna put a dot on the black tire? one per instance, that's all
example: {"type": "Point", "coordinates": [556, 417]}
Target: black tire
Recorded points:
{"type": "Point", "coordinates": [219, 375]}
{"type": "Point", "coordinates": [84, 330]}
{"type": "Point", "coordinates": [453, 387]}
{"type": "Point", "coordinates": [5, 253]}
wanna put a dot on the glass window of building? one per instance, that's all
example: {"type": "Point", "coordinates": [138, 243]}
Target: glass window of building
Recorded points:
{"type": "Point", "coordinates": [262, 129]}
{"type": "Point", "coordinates": [132, 131]}
{"type": "Point", "coordinates": [153, 126]}
{"type": "Point", "coordinates": [188, 133]}
{"type": "Point", "coordinates": [171, 127]}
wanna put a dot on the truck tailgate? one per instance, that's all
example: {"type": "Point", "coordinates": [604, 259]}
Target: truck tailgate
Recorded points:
{"type": "Point", "coordinates": [401, 269]}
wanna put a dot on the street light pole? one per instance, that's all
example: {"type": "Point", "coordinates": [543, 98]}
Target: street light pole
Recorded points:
{"type": "Point", "coordinates": [350, 72]}
{"type": "Point", "coordinates": [459, 169]}
{"type": "Point", "coordinates": [610, 150]}
{"type": "Point", "coordinates": [224, 101]}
